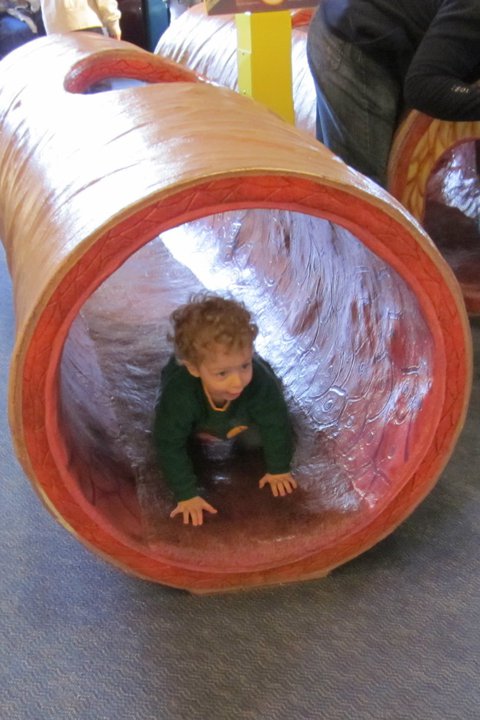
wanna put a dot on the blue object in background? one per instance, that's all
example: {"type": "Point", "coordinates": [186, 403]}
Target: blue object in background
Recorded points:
{"type": "Point", "coordinates": [14, 32]}
{"type": "Point", "coordinates": [157, 19]}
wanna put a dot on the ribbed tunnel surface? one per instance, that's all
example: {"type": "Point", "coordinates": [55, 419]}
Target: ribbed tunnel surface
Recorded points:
{"type": "Point", "coordinates": [185, 186]}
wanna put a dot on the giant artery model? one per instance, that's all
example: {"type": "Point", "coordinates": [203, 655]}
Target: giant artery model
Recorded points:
{"type": "Point", "coordinates": [114, 207]}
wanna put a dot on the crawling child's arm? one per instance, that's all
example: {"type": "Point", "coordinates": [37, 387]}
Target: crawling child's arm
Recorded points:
{"type": "Point", "coordinates": [272, 418]}
{"type": "Point", "coordinates": [192, 510]}
{"type": "Point", "coordinates": [281, 484]}
{"type": "Point", "coordinates": [174, 422]}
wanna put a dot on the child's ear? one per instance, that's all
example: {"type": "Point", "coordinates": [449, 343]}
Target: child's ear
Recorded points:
{"type": "Point", "coordinates": [192, 369]}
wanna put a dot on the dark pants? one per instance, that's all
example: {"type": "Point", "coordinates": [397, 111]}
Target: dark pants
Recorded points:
{"type": "Point", "coordinates": [358, 101]}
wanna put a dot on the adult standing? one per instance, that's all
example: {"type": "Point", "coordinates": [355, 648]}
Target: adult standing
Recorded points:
{"type": "Point", "coordinates": [61, 16]}
{"type": "Point", "coordinates": [372, 59]}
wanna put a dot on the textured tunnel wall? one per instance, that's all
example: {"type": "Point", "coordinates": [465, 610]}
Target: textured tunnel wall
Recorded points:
{"type": "Point", "coordinates": [113, 207]}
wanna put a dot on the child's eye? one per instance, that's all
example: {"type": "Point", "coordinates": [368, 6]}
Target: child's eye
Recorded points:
{"type": "Point", "coordinates": [222, 374]}
{"type": "Point", "coordinates": [247, 366]}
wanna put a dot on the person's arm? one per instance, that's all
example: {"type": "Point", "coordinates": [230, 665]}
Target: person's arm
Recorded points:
{"type": "Point", "coordinates": [440, 79]}
{"type": "Point", "coordinates": [273, 421]}
{"type": "Point", "coordinates": [114, 30]}
{"type": "Point", "coordinates": [172, 428]}
{"type": "Point", "coordinates": [110, 15]}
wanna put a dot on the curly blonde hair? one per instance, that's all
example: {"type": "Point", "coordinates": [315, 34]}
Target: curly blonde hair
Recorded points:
{"type": "Point", "coordinates": [209, 319]}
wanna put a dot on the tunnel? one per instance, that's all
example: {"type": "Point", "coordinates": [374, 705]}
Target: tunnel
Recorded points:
{"type": "Point", "coordinates": [115, 207]}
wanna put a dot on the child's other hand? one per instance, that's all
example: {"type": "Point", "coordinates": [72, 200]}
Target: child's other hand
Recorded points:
{"type": "Point", "coordinates": [281, 485]}
{"type": "Point", "coordinates": [192, 510]}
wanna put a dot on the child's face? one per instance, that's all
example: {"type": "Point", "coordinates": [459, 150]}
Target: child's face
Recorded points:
{"type": "Point", "coordinates": [224, 373]}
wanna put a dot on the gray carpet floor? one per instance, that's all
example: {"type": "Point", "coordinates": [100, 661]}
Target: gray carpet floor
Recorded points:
{"type": "Point", "coordinates": [392, 635]}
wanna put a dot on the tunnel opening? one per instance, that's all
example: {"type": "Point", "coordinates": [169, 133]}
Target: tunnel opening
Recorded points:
{"type": "Point", "coordinates": [452, 212]}
{"type": "Point", "coordinates": [342, 329]}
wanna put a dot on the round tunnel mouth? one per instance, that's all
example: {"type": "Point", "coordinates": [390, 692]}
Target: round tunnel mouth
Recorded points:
{"type": "Point", "coordinates": [109, 69]}
{"type": "Point", "coordinates": [121, 531]}
{"type": "Point", "coordinates": [452, 215]}
{"type": "Point", "coordinates": [429, 162]}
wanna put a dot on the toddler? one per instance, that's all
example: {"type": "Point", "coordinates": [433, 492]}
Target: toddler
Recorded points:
{"type": "Point", "coordinates": [216, 387]}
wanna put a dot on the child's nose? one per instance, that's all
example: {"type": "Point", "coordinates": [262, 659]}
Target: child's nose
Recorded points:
{"type": "Point", "coordinates": [236, 382]}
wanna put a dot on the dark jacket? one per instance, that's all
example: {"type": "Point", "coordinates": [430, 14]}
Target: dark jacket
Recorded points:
{"type": "Point", "coordinates": [432, 46]}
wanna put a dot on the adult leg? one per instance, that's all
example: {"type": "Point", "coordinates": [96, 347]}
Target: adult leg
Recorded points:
{"type": "Point", "coordinates": [357, 101]}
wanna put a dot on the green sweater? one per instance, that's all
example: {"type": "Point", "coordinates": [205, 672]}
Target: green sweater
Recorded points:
{"type": "Point", "coordinates": [183, 410]}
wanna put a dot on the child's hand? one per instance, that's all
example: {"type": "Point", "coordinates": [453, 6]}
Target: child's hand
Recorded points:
{"type": "Point", "coordinates": [282, 484]}
{"type": "Point", "coordinates": [192, 510]}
